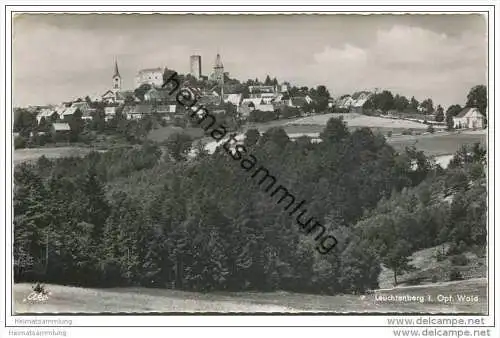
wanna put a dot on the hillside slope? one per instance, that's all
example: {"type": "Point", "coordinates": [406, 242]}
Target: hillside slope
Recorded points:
{"type": "Point", "coordinates": [427, 268]}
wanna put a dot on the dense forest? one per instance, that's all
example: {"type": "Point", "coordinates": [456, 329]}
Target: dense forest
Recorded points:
{"type": "Point", "coordinates": [144, 217]}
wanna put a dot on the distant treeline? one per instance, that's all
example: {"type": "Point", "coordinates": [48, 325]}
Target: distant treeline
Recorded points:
{"type": "Point", "coordinates": [138, 217]}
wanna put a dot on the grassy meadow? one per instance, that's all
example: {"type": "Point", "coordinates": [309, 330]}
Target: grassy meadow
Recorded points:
{"type": "Point", "coordinates": [66, 299]}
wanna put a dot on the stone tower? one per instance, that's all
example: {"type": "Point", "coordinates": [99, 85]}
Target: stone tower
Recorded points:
{"type": "Point", "coordinates": [195, 66]}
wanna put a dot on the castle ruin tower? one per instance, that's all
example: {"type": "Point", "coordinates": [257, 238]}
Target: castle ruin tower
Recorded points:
{"type": "Point", "coordinates": [117, 79]}
{"type": "Point", "coordinates": [195, 66]}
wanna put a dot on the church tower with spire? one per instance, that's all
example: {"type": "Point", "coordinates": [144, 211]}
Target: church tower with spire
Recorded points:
{"type": "Point", "coordinates": [218, 74]}
{"type": "Point", "coordinates": [117, 79]}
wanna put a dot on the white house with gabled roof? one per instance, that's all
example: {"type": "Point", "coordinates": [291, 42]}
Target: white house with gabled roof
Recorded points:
{"type": "Point", "coordinates": [470, 118]}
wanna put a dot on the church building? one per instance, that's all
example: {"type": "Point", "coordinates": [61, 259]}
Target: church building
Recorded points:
{"type": "Point", "coordinates": [115, 94]}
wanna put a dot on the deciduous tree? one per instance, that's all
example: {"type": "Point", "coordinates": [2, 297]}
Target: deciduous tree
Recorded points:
{"type": "Point", "coordinates": [477, 98]}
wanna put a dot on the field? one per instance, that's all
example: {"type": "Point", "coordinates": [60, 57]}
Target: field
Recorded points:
{"type": "Point", "coordinates": [316, 124]}
{"type": "Point", "coordinates": [65, 299]}
{"type": "Point", "coordinates": [436, 144]}
{"type": "Point", "coordinates": [359, 120]}
{"type": "Point", "coordinates": [439, 143]}
{"type": "Point", "coordinates": [29, 154]}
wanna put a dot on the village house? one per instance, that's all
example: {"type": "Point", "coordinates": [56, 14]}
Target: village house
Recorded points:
{"type": "Point", "coordinates": [126, 95]}
{"type": "Point", "coordinates": [156, 95]}
{"type": "Point", "coordinates": [233, 98]}
{"type": "Point", "coordinates": [85, 109]}
{"type": "Point", "coordinates": [209, 100]}
{"type": "Point", "coordinates": [70, 112]}
{"type": "Point", "coordinates": [61, 126]}
{"type": "Point", "coordinates": [60, 110]}
{"type": "Point", "coordinates": [152, 95]}
{"type": "Point", "coordinates": [60, 130]}
{"type": "Point", "coordinates": [344, 102]}
{"type": "Point", "coordinates": [267, 99]}
{"type": "Point", "coordinates": [265, 107]}
{"type": "Point", "coordinates": [262, 95]}
{"type": "Point", "coordinates": [35, 133]}
{"type": "Point", "coordinates": [96, 98]}
{"type": "Point", "coordinates": [255, 101]}
{"type": "Point", "coordinates": [470, 118]}
{"type": "Point", "coordinates": [138, 111]}
{"type": "Point", "coordinates": [330, 102]}
{"type": "Point", "coordinates": [261, 89]}
{"type": "Point", "coordinates": [358, 103]}
{"type": "Point", "coordinates": [47, 114]}
{"type": "Point", "coordinates": [283, 88]}
{"type": "Point", "coordinates": [280, 99]}
{"type": "Point", "coordinates": [266, 93]}
{"type": "Point", "coordinates": [167, 112]}
{"type": "Point", "coordinates": [256, 89]}
{"type": "Point", "coordinates": [250, 104]}
{"type": "Point", "coordinates": [128, 111]}
{"type": "Point", "coordinates": [354, 103]}
{"type": "Point", "coordinates": [109, 113]}
{"type": "Point", "coordinates": [82, 105]}
{"type": "Point", "coordinates": [32, 109]}
{"type": "Point", "coordinates": [246, 107]}
{"type": "Point", "coordinates": [359, 99]}
{"type": "Point", "coordinates": [297, 102]}
{"type": "Point", "coordinates": [111, 97]}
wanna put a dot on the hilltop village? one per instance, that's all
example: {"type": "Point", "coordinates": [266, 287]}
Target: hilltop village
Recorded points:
{"type": "Point", "coordinates": [133, 113]}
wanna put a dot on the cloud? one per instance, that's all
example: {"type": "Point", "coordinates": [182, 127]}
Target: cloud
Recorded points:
{"type": "Point", "coordinates": [348, 54]}
{"type": "Point", "coordinates": [408, 45]}
{"type": "Point", "coordinates": [415, 46]}
{"type": "Point", "coordinates": [411, 60]}
{"type": "Point", "coordinates": [59, 57]}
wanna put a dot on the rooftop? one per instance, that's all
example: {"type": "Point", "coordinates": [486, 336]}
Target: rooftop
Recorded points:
{"type": "Point", "coordinates": [150, 70]}
{"type": "Point", "coordinates": [465, 111]}
{"type": "Point", "coordinates": [61, 126]}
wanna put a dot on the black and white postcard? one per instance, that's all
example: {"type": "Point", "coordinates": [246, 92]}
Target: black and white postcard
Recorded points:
{"type": "Point", "coordinates": [288, 164]}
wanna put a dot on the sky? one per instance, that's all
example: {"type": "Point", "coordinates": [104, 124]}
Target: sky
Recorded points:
{"type": "Point", "coordinates": [59, 57]}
